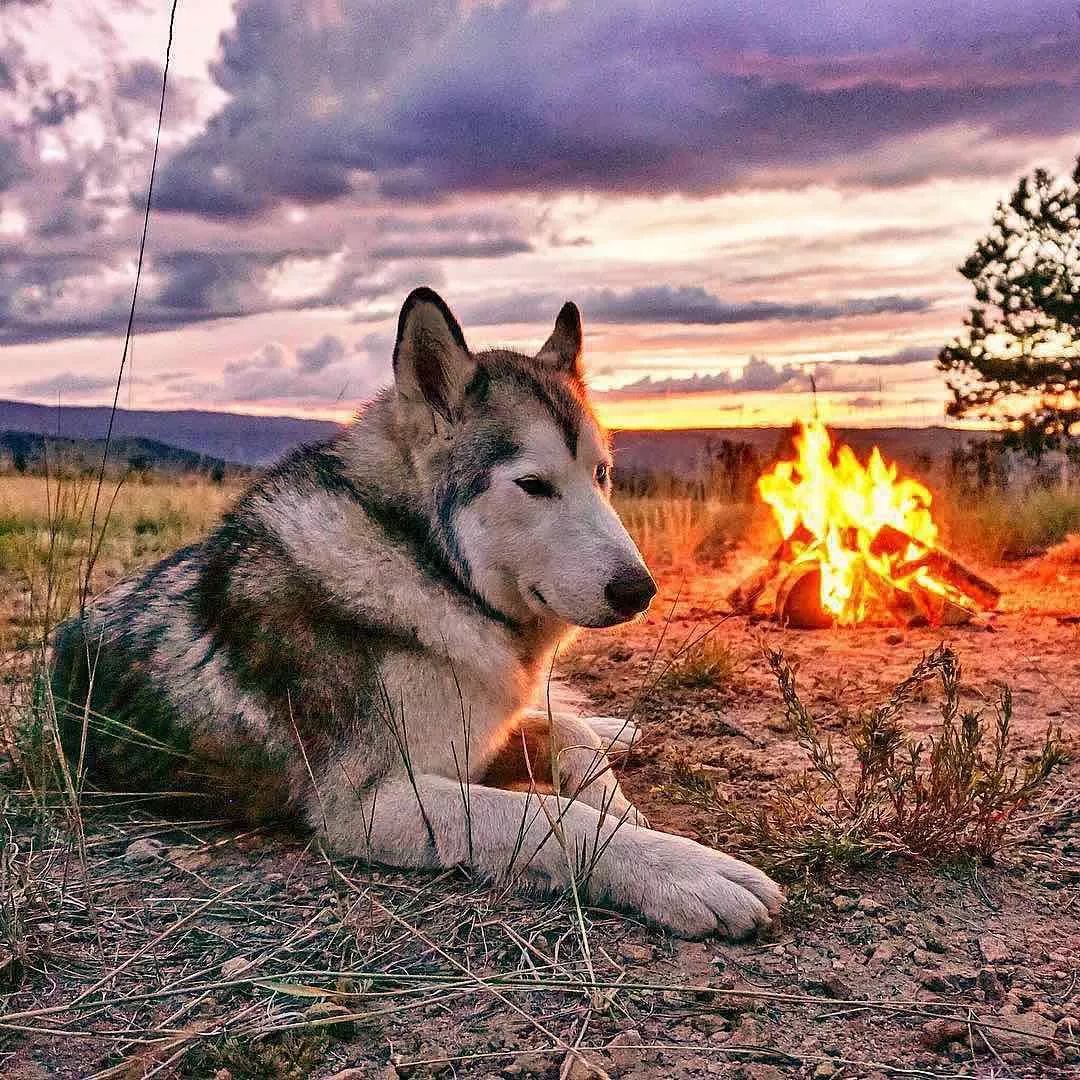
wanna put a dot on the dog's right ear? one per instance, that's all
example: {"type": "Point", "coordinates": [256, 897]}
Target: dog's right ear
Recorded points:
{"type": "Point", "coordinates": [432, 363]}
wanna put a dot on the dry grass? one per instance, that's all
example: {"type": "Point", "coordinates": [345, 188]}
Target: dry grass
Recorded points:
{"type": "Point", "coordinates": [677, 530]}
{"type": "Point", "coordinates": [710, 663]}
{"type": "Point", "coordinates": [881, 794]}
{"type": "Point", "coordinates": [45, 539]}
{"type": "Point", "coordinates": [995, 526]}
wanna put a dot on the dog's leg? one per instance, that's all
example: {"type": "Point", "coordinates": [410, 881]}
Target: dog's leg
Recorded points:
{"type": "Point", "coordinates": [620, 735]}
{"type": "Point", "coordinates": [563, 753]}
{"type": "Point", "coordinates": [617, 735]}
{"type": "Point", "coordinates": [430, 822]}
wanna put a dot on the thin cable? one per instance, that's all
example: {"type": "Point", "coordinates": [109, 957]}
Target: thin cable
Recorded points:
{"type": "Point", "coordinates": [92, 556]}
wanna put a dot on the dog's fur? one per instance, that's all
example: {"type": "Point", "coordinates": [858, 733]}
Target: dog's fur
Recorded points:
{"type": "Point", "coordinates": [361, 639]}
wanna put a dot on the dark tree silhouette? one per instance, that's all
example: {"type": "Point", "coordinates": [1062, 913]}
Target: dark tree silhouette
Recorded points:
{"type": "Point", "coordinates": [1018, 359]}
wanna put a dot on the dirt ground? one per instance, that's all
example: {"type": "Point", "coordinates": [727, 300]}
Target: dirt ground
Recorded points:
{"type": "Point", "coordinates": [197, 949]}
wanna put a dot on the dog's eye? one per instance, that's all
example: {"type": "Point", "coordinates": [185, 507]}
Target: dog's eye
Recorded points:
{"type": "Point", "coordinates": [603, 473]}
{"type": "Point", "coordinates": [535, 486]}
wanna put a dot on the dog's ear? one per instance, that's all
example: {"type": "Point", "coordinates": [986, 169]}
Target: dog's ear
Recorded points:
{"type": "Point", "coordinates": [562, 351]}
{"type": "Point", "coordinates": [432, 363]}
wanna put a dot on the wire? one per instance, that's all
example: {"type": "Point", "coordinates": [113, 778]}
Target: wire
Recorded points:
{"type": "Point", "coordinates": [91, 558]}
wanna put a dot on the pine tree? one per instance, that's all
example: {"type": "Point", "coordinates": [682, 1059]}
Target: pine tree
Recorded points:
{"type": "Point", "coordinates": [1018, 359]}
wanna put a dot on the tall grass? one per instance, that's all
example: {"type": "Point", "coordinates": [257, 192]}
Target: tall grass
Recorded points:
{"type": "Point", "coordinates": [44, 539]}
{"type": "Point", "coordinates": [677, 530]}
{"type": "Point", "coordinates": [996, 525]}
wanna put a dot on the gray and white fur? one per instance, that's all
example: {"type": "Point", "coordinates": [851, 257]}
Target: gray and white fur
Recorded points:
{"type": "Point", "coordinates": [361, 641]}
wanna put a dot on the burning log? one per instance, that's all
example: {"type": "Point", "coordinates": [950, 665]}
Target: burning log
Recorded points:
{"type": "Point", "coordinates": [798, 602]}
{"type": "Point", "coordinates": [935, 609]}
{"type": "Point", "coordinates": [945, 568]}
{"type": "Point", "coordinates": [937, 563]}
{"type": "Point", "coordinates": [744, 597]}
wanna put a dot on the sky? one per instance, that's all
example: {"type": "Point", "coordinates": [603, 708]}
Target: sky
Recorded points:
{"type": "Point", "coordinates": [742, 199]}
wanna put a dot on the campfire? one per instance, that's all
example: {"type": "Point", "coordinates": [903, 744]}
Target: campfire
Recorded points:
{"type": "Point", "coordinates": [859, 546]}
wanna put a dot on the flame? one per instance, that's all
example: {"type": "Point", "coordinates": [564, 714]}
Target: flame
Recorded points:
{"type": "Point", "coordinates": [832, 508]}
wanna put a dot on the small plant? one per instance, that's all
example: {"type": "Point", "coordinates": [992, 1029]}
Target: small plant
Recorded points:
{"type": "Point", "coordinates": [707, 664]}
{"type": "Point", "coordinates": [289, 1055]}
{"type": "Point", "coordinates": [951, 796]}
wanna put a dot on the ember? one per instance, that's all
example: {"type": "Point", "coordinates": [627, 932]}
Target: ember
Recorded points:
{"type": "Point", "coordinates": [859, 545]}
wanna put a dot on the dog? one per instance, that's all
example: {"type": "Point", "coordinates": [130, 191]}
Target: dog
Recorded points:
{"type": "Point", "coordinates": [360, 642]}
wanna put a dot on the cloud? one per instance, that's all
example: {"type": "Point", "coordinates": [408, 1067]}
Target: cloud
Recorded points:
{"type": "Point", "coordinates": [46, 297]}
{"type": "Point", "coordinates": [466, 248]}
{"type": "Point", "coordinates": [757, 375]}
{"type": "Point", "coordinates": [327, 350]}
{"type": "Point", "coordinates": [11, 166]}
{"type": "Point", "coordinates": [428, 100]}
{"type": "Point", "coordinates": [57, 106]}
{"type": "Point", "coordinates": [687, 304]}
{"type": "Point", "coordinates": [271, 357]}
{"type": "Point", "coordinates": [72, 383]}
{"type": "Point", "coordinates": [903, 356]}
{"type": "Point", "coordinates": [318, 375]}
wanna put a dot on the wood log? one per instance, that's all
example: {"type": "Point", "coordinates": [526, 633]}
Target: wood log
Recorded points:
{"type": "Point", "coordinates": [798, 601]}
{"type": "Point", "coordinates": [940, 564]}
{"type": "Point", "coordinates": [945, 568]}
{"type": "Point", "coordinates": [744, 597]}
{"type": "Point", "coordinates": [937, 610]}
{"type": "Point", "coordinates": [893, 541]}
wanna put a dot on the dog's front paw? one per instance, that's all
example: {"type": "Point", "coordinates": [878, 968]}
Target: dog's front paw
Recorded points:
{"type": "Point", "coordinates": [695, 891]}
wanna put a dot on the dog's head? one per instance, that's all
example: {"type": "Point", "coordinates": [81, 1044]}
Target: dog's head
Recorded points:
{"type": "Point", "coordinates": [519, 470]}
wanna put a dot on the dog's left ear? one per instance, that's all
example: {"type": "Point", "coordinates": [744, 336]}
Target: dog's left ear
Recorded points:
{"type": "Point", "coordinates": [562, 351]}
{"type": "Point", "coordinates": [432, 363]}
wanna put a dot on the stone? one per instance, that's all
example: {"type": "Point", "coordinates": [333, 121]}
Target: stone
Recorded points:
{"type": "Point", "coordinates": [235, 967]}
{"type": "Point", "coordinates": [836, 987]}
{"type": "Point", "coordinates": [937, 1034]}
{"type": "Point", "coordinates": [583, 1066]}
{"type": "Point", "coordinates": [869, 905]}
{"type": "Point", "coordinates": [327, 1010]}
{"type": "Point", "coordinates": [144, 851]}
{"type": "Point", "coordinates": [991, 986]}
{"type": "Point", "coordinates": [935, 982]}
{"type": "Point", "coordinates": [748, 1033]}
{"type": "Point", "coordinates": [709, 1023]}
{"type": "Point", "coordinates": [885, 953]}
{"type": "Point", "coordinates": [894, 637]}
{"type": "Point", "coordinates": [1032, 1034]}
{"type": "Point", "coordinates": [842, 903]}
{"type": "Point", "coordinates": [824, 1070]}
{"type": "Point", "coordinates": [633, 951]}
{"type": "Point", "coordinates": [993, 949]}
{"type": "Point", "coordinates": [619, 1049]}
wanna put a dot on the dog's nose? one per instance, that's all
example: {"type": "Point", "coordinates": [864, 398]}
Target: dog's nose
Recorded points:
{"type": "Point", "coordinates": [630, 590]}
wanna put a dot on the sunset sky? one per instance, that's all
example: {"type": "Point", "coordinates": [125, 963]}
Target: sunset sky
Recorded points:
{"type": "Point", "coordinates": [738, 197]}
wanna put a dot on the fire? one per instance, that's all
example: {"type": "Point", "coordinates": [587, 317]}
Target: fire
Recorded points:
{"type": "Point", "coordinates": [866, 534]}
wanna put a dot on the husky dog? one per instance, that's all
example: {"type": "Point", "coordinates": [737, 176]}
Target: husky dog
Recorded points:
{"type": "Point", "coordinates": [360, 640]}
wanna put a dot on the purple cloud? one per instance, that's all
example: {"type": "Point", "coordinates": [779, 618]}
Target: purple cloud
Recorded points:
{"type": "Point", "coordinates": [757, 375]}
{"type": "Point", "coordinates": [608, 96]}
{"type": "Point", "coordinates": [686, 304]}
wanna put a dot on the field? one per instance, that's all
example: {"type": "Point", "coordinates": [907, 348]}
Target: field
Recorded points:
{"type": "Point", "coordinates": [934, 938]}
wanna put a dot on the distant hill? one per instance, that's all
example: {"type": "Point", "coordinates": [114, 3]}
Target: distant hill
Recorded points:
{"type": "Point", "coordinates": [231, 437]}
{"type": "Point", "coordinates": [25, 451]}
{"type": "Point", "coordinates": [243, 439]}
